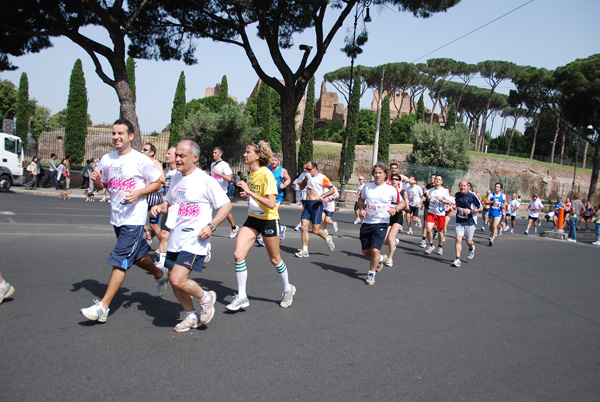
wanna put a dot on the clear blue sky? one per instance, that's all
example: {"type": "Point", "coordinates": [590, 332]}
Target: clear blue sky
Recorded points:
{"type": "Point", "coordinates": [543, 33]}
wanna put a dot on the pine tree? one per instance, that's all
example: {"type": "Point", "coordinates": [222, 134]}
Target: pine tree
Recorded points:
{"type": "Point", "coordinates": [178, 112]}
{"type": "Point", "coordinates": [77, 116]}
{"type": "Point", "coordinates": [421, 110]}
{"type": "Point", "coordinates": [23, 109]}
{"type": "Point", "coordinates": [305, 153]}
{"type": "Point", "coordinates": [383, 153]}
{"type": "Point", "coordinates": [352, 130]}
{"type": "Point", "coordinates": [263, 112]}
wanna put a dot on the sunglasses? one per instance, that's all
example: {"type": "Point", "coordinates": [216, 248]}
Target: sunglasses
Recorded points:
{"type": "Point", "coordinates": [308, 169]}
{"type": "Point", "coordinates": [257, 146]}
{"type": "Point", "coordinates": [145, 149]}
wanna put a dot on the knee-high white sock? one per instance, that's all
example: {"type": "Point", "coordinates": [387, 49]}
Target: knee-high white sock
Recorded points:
{"type": "Point", "coordinates": [283, 274]}
{"type": "Point", "coordinates": [241, 274]}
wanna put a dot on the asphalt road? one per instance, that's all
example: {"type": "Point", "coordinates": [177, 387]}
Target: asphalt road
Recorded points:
{"type": "Point", "coordinates": [520, 322]}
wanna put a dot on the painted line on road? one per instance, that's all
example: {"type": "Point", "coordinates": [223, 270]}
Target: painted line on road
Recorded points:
{"type": "Point", "coordinates": [6, 213]}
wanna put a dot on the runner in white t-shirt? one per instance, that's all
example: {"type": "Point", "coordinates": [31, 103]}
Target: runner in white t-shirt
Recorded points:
{"type": "Point", "coordinates": [169, 172]}
{"type": "Point", "coordinates": [222, 173]}
{"type": "Point", "coordinates": [190, 202]}
{"type": "Point", "coordinates": [415, 199]}
{"type": "Point", "coordinates": [513, 208]}
{"type": "Point", "coordinates": [378, 201]}
{"type": "Point", "coordinates": [534, 208]}
{"type": "Point", "coordinates": [129, 176]}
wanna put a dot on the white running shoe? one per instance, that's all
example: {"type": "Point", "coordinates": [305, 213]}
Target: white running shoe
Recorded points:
{"type": "Point", "coordinates": [370, 279]}
{"type": "Point", "coordinates": [595, 243]}
{"type": "Point", "coordinates": [335, 227]}
{"type": "Point", "coordinates": [456, 263]}
{"type": "Point", "coordinates": [512, 231]}
{"type": "Point", "coordinates": [471, 253]}
{"type": "Point", "coordinates": [396, 241]}
{"type": "Point", "coordinates": [234, 232]}
{"type": "Point", "coordinates": [207, 309]}
{"type": "Point", "coordinates": [302, 253]}
{"type": "Point", "coordinates": [330, 244]}
{"type": "Point", "coordinates": [326, 232]}
{"type": "Point", "coordinates": [97, 312]}
{"type": "Point", "coordinates": [430, 249]}
{"type": "Point", "coordinates": [389, 262]}
{"type": "Point", "coordinates": [237, 303]}
{"type": "Point", "coordinates": [260, 240]}
{"type": "Point", "coordinates": [282, 235]}
{"type": "Point", "coordinates": [440, 251]}
{"type": "Point", "coordinates": [410, 232]}
{"type": "Point", "coordinates": [6, 292]}
{"type": "Point", "coordinates": [382, 260]}
{"type": "Point", "coordinates": [190, 321]}
{"type": "Point", "coordinates": [288, 297]}
{"type": "Point", "coordinates": [298, 227]}
{"type": "Point", "coordinates": [357, 221]}
{"type": "Point", "coordinates": [208, 254]}
{"type": "Point", "coordinates": [161, 283]}
{"type": "Point", "coordinates": [423, 244]}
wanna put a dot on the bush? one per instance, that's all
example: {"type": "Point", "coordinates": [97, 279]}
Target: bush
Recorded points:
{"type": "Point", "coordinates": [433, 146]}
{"type": "Point", "coordinates": [401, 129]}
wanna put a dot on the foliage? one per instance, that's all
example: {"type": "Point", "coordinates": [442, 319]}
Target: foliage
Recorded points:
{"type": "Point", "coordinates": [40, 120]}
{"type": "Point", "coordinates": [332, 131]}
{"type": "Point", "coordinates": [305, 152]}
{"type": "Point", "coordinates": [23, 109]}
{"type": "Point", "coordinates": [274, 138]}
{"type": "Point", "coordinates": [263, 112]}
{"type": "Point", "coordinates": [352, 131]}
{"type": "Point", "coordinates": [8, 99]}
{"type": "Point", "coordinates": [433, 146]}
{"type": "Point", "coordinates": [421, 110]}
{"type": "Point", "coordinates": [401, 129]}
{"type": "Point", "coordinates": [77, 116]}
{"type": "Point", "coordinates": [130, 65]}
{"type": "Point", "coordinates": [223, 89]}
{"type": "Point", "coordinates": [178, 112]}
{"type": "Point", "coordinates": [451, 116]}
{"type": "Point", "coordinates": [227, 128]}
{"type": "Point", "coordinates": [383, 151]}
{"type": "Point", "coordinates": [367, 119]}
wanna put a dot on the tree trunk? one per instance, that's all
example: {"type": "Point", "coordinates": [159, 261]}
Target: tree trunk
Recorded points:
{"type": "Point", "coordinates": [562, 149]}
{"type": "Point", "coordinates": [127, 107]}
{"type": "Point", "coordinates": [535, 131]}
{"type": "Point", "coordinates": [512, 134]}
{"type": "Point", "coordinates": [585, 151]}
{"type": "Point", "coordinates": [288, 134]}
{"type": "Point", "coordinates": [555, 138]}
{"type": "Point", "coordinates": [595, 169]}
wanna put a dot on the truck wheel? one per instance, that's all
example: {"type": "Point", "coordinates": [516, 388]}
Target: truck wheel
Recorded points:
{"type": "Point", "coordinates": [4, 183]}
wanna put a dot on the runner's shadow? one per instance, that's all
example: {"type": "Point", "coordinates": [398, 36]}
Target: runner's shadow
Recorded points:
{"type": "Point", "coordinates": [349, 272]}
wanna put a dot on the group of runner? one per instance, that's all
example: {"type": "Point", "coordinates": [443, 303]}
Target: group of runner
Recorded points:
{"type": "Point", "coordinates": [193, 204]}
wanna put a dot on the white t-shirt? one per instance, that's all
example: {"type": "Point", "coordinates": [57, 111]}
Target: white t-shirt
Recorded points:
{"type": "Point", "coordinates": [192, 199]}
{"type": "Point", "coordinates": [224, 169]}
{"type": "Point", "coordinates": [414, 194]}
{"type": "Point", "coordinates": [534, 208]}
{"type": "Point", "coordinates": [120, 173]}
{"type": "Point", "coordinates": [169, 173]}
{"type": "Point", "coordinates": [378, 200]}
{"type": "Point", "coordinates": [438, 207]}
{"type": "Point", "coordinates": [329, 205]}
{"type": "Point", "coordinates": [513, 207]}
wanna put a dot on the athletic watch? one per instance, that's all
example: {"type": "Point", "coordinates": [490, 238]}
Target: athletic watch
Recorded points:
{"type": "Point", "coordinates": [212, 227]}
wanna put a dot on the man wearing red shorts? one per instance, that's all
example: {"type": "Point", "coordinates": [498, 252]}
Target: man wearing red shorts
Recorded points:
{"type": "Point", "coordinates": [438, 198]}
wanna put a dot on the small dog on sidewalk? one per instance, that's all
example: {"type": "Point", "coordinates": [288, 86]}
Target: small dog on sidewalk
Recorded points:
{"type": "Point", "coordinates": [64, 195]}
{"type": "Point", "coordinates": [89, 195]}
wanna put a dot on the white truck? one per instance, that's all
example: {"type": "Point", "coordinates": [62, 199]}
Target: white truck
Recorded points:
{"type": "Point", "coordinates": [12, 161]}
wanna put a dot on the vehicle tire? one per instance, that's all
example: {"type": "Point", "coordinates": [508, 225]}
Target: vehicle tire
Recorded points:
{"type": "Point", "coordinates": [5, 183]}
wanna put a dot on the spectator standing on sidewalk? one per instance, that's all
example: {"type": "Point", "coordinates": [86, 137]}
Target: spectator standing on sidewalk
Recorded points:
{"type": "Point", "coordinates": [577, 208]}
{"type": "Point", "coordinates": [51, 171]}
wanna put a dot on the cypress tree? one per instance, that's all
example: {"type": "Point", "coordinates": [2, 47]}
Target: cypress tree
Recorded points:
{"type": "Point", "coordinates": [131, 76]}
{"type": "Point", "coordinates": [223, 91]}
{"type": "Point", "coordinates": [263, 112]}
{"type": "Point", "coordinates": [77, 117]}
{"type": "Point", "coordinates": [383, 153]}
{"type": "Point", "coordinates": [23, 109]}
{"type": "Point", "coordinates": [352, 130]}
{"type": "Point", "coordinates": [421, 110]}
{"type": "Point", "coordinates": [451, 122]}
{"type": "Point", "coordinates": [305, 153]}
{"type": "Point", "coordinates": [178, 112]}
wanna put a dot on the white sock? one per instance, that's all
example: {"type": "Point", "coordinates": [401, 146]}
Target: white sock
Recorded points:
{"type": "Point", "coordinates": [241, 275]}
{"type": "Point", "coordinates": [161, 258]}
{"type": "Point", "coordinates": [4, 284]}
{"type": "Point", "coordinates": [305, 248]}
{"type": "Point", "coordinates": [283, 274]}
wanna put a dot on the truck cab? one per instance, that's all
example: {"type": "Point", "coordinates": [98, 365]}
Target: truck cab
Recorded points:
{"type": "Point", "coordinates": [12, 161]}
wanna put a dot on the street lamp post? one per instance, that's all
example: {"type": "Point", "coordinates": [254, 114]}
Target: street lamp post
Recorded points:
{"type": "Point", "coordinates": [360, 8]}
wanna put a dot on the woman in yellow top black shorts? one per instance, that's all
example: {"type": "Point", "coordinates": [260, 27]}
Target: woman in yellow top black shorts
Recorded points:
{"type": "Point", "coordinates": [263, 218]}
